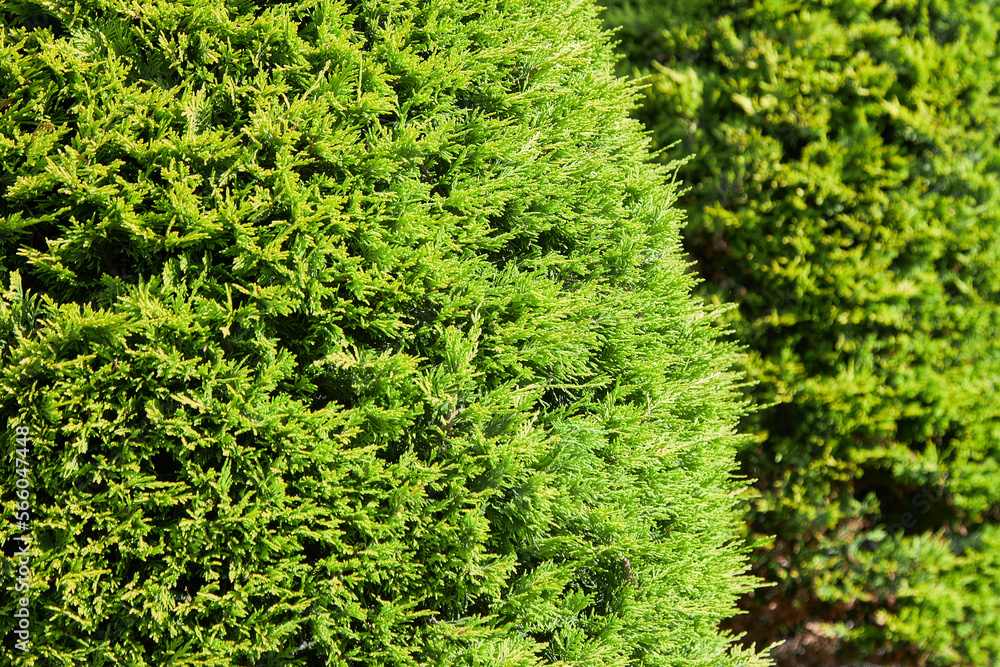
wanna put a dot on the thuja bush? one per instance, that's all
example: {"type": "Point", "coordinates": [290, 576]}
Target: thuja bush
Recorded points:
{"type": "Point", "coordinates": [352, 333]}
{"type": "Point", "coordinates": [845, 193]}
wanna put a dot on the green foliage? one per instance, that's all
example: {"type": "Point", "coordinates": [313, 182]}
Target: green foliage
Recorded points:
{"type": "Point", "coordinates": [845, 192]}
{"type": "Point", "coordinates": [354, 333]}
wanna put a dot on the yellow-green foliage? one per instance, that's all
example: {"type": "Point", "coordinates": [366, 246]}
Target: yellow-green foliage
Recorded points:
{"type": "Point", "coordinates": [353, 333]}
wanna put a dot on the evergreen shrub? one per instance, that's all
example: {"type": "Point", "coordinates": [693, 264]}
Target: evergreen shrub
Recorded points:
{"type": "Point", "coordinates": [353, 333]}
{"type": "Point", "coordinates": [845, 193]}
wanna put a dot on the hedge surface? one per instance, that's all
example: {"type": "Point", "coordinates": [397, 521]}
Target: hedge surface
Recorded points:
{"type": "Point", "coordinates": [845, 193]}
{"type": "Point", "coordinates": [354, 333]}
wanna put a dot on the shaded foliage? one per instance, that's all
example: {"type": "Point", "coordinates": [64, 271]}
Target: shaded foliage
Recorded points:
{"type": "Point", "coordinates": [844, 192]}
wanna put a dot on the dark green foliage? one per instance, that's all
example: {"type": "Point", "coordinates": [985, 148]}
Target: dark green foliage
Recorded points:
{"type": "Point", "coordinates": [845, 192]}
{"type": "Point", "coordinates": [354, 334]}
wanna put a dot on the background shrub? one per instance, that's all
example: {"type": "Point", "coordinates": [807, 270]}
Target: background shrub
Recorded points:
{"type": "Point", "coordinates": [844, 192]}
{"type": "Point", "coordinates": [353, 334]}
